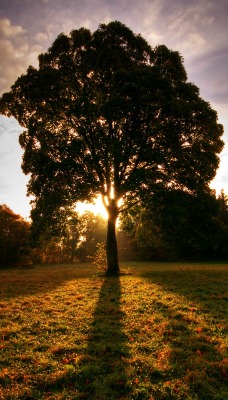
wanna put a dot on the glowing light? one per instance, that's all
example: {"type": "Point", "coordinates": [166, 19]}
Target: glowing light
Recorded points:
{"type": "Point", "coordinates": [96, 207]}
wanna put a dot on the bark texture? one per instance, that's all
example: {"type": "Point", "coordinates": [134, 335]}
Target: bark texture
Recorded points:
{"type": "Point", "coordinates": [111, 244]}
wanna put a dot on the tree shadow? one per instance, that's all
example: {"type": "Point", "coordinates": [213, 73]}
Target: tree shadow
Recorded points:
{"type": "Point", "coordinates": [203, 287]}
{"type": "Point", "coordinates": [97, 369]}
{"type": "Point", "coordinates": [102, 374]}
{"type": "Point", "coordinates": [191, 334]}
{"type": "Point", "coordinates": [41, 279]}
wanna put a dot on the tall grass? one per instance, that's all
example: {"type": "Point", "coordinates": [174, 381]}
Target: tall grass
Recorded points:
{"type": "Point", "coordinates": [157, 332]}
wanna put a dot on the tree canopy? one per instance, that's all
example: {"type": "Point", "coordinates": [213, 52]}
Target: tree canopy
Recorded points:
{"type": "Point", "coordinates": [14, 237]}
{"type": "Point", "coordinates": [176, 225]}
{"type": "Point", "coordinates": [107, 113]}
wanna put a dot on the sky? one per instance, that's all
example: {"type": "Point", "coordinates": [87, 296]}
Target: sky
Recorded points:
{"type": "Point", "coordinates": [198, 29]}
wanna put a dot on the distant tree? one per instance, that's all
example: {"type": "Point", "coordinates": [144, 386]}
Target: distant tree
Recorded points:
{"type": "Point", "coordinates": [14, 237]}
{"type": "Point", "coordinates": [49, 251]}
{"type": "Point", "coordinates": [223, 208]}
{"type": "Point", "coordinates": [54, 235]}
{"type": "Point", "coordinates": [75, 238]}
{"type": "Point", "coordinates": [222, 220]}
{"type": "Point", "coordinates": [105, 113]}
{"type": "Point", "coordinates": [72, 235]}
{"type": "Point", "coordinates": [180, 225]}
{"type": "Point", "coordinates": [92, 230]}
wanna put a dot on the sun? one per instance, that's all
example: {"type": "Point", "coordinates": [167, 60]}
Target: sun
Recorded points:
{"type": "Point", "coordinates": [96, 207]}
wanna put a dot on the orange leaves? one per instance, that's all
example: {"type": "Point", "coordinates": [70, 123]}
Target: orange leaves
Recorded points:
{"type": "Point", "coordinates": [79, 296]}
{"type": "Point", "coordinates": [13, 375]}
{"type": "Point", "coordinates": [192, 309]}
{"type": "Point", "coordinates": [163, 358]}
{"type": "Point", "coordinates": [66, 361]}
{"type": "Point", "coordinates": [4, 371]}
{"type": "Point", "coordinates": [71, 360]}
{"type": "Point", "coordinates": [223, 366]}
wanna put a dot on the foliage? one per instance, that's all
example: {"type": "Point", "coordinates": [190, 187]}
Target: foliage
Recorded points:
{"type": "Point", "coordinates": [106, 113]}
{"type": "Point", "coordinates": [100, 259]}
{"type": "Point", "coordinates": [75, 241]}
{"type": "Point", "coordinates": [72, 235]}
{"type": "Point", "coordinates": [92, 231]}
{"type": "Point", "coordinates": [14, 237]}
{"type": "Point", "coordinates": [158, 332]}
{"type": "Point", "coordinates": [177, 225]}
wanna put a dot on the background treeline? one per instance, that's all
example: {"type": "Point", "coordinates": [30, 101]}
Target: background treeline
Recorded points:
{"type": "Point", "coordinates": [14, 237]}
{"type": "Point", "coordinates": [171, 225]}
{"type": "Point", "coordinates": [177, 225]}
{"type": "Point", "coordinates": [76, 241]}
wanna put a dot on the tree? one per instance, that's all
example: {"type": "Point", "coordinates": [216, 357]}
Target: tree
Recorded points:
{"type": "Point", "coordinates": [54, 232]}
{"type": "Point", "coordinates": [72, 235]}
{"type": "Point", "coordinates": [106, 113]}
{"type": "Point", "coordinates": [92, 232]}
{"type": "Point", "coordinates": [180, 225]}
{"type": "Point", "coordinates": [223, 208]}
{"type": "Point", "coordinates": [14, 236]}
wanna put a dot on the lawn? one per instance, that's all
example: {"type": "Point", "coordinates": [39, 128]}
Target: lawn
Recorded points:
{"type": "Point", "coordinates": [158, 332]}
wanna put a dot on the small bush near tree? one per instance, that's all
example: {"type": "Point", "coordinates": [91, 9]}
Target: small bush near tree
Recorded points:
{"type": "Point", "coordinates": [100, 259]}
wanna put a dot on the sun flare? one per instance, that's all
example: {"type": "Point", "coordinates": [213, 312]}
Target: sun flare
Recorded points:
{"type": "Point", "coordinates": [96, 207]}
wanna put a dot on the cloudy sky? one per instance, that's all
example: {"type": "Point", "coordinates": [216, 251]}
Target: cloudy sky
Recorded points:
{"type": "Point", "coordinates": [198, 29]}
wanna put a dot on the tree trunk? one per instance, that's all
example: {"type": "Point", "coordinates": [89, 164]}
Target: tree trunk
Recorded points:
{"type": "Point", "coordinates": [111, 244]}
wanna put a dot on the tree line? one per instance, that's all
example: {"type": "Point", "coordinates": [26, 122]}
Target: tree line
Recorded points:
{"type": "Point", "coordinates": [176, 225]}
{"type": "Point", "coordinates": [171, 225]}
{"type": "Point", "coordinates": [76, 241]}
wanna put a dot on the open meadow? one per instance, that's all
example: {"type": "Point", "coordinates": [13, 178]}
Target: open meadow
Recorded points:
{"type": "Point", "coordinates": [157, 332]}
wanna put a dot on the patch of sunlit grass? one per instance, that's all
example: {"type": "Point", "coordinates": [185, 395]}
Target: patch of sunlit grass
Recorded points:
{"type": "Point", "coordinates": [158, 332]}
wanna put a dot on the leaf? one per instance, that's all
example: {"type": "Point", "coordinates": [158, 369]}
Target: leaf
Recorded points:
{"type": "Point", "coordinates": [223, 366]}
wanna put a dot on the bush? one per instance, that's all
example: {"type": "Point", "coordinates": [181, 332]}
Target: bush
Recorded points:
{"type": "Point", "coordinates": [100, 258]}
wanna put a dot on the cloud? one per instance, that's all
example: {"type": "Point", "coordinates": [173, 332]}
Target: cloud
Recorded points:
{"type": "Point", "coordinates": [41, 37]}
{"type": "Point", "coordinates": [192, 26]}
{"type": "Point", "coordinates": [12, 181]}
{"type": "Point", "coordinates": [8, 30]}
{"type": "Point", "coordinates": [211, 69]}
{"type": "Point", "coordinates": [16, 53]}
{"type": "Point", "coordinates": [221, 179]}
{"type": "Point", "coordinates": [9, 126]}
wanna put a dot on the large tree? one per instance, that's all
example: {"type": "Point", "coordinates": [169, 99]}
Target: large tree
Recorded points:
{"type": "Point", "coordinates": [106, 113]}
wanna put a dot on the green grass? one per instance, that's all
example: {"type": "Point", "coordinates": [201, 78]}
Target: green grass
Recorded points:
{"type": "Point", "coordinates": [157, 332]}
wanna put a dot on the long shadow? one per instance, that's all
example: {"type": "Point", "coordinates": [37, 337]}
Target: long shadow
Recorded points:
{"type": "Point", "coordinates": [96, 371]}
{"type": "Point", "coordinates": [103, 374]}
{"type": "Point", "coordinates": [195, 356]}
{"type": "Point", "coordinates": [40, 279]}
{"type": "Point", "coordinates": [204, 287]}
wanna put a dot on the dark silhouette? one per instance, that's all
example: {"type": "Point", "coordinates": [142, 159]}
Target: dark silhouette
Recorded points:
{"type": "Point", "coordinates": [106, 113]}
{"type": "Point", "coordinates": [14, 237]}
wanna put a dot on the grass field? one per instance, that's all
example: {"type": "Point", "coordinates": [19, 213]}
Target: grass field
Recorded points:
{"type": "Point", "coordinates": [157, 332]}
